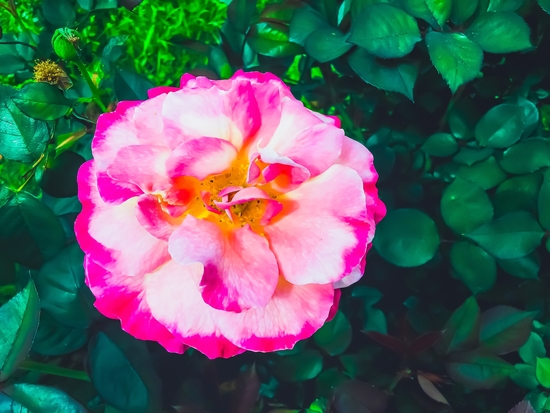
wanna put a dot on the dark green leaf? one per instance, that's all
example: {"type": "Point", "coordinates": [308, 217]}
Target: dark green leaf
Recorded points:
{"type": "Point", "coordinates": [272, 39]}
{"type": "Point", "coordinates": [59, 12]}
{"type": "Point", "coordinates": [544, 201]}
{"type": "Point", "coordinates": [22, 138]}
{"type": "Point", "coordinates": [526, 156]}
{"type": "Point", "coordinates": [435, 12]}
{"type": "Point", "coordinates": [19, 321]}
{"type": "Point", "coordinates": [385, 31]}
{"type": "Point", "coordinates": [500, 32]}
{"type": "Point", "coordinates": [504, 329]}
{"type": "Point", "coordinates": [525, 267]}
{"type": "Point", "coordinates": [10, 64]}
{"type": "Point", "coordinates": [59, 179]}
{"type": "Point", "coordinates": [42, 101]}
{"type": "Point", "coordinates": [121, 372]}
{"type": "Point", "coordinates": [536, 399]}
{"type": "Point", "coordinates": [407, 238]}
{"type": "Point", "coordinates": [487, 174]}
{"type": "Point", "coordinates": [304, 22]}
{"type": "Point", "coordinates": [501, 126]}
{"type": "Point", "coordinates": [463, 117]}
{"type": "Point", "coordinates": [358, 397]}
{"type": "Point", "coordinates": [327, 381]}
{"type": "Point", "coordinates": [55, 339]}
{"type": "Point", "coordinates": [455, 57]}
{"type": "Point", "coordinates": [465, 206]}
{"type": "Point", "coordinates": [473, 266]}
{"type": "Point", "coordinates": [544, 5]}
{"type": "Point", "coordinates": [470, 156]}
{"type": "Point", "coordinates": [542, 371]}
{"type": "Point", "coordinates": [360, 363]}
{"type": "Point", "coordinates": [129, 4]}
{"type": "Point", "coordinates": [326, 44]}
{"type": "Point", "coordinates": [519, 193]}
{"type": "Point", "coordinates": [440, 144]}
{"type": "Point", "coordinates": [504, 5]}
{"type": "Point", "coordinates": [29, 230]}
{"type": "Point", "coordinates": [512, 236]}
{"type": "Point", "coordinates": [131, 86]}
{"type": "Point", "coordinates": [299, 367]}
{"type": "Point", "coordinates": [532, 349]}
{"type": "Point", "coordinates": [462, 10]}
{"type": "Point", "coordinates": [114, 48]}
{"type": "Point", "coordinates": [60, 284]}
{"type": "Point", "coordinates": [240, 13]}
{"type": "Point", "coordinates": [461, 332]}
{"type": "Point", "coordinates": [524, 376]}
{"type": "Point", "coordinates": [33, 398]}
{"type": "Point", "coordinates": [478, 369]}
{"type": "Point", "coordinates": [335, 336]}
{"type": "Point", "coordinates": [394, 77]}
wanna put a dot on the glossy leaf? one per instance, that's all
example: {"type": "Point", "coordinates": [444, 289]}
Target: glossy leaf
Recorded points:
{"type": "Point", "coordinates": [465, 206]}
{"type": "Point", "coordinates": [461, 332]}
{"type": "Point", "coordinates": [542, 371]}
{"type": "Point", "coordinates": [478, 369]}
{"type": "Point", "coordinates": [504, 5]}
{"type": "Point", "coordinates": [504, 329]}
{"type": "Point", "coordinates": [435, 12]}
{"type": "Point", "coordinates": [487, 174]}
{"type": "Point", "coordinates": [501, 126]}
{"type": "Point", "coordinates": [544, 5]}
{"type": "Point", "coordinates": [407, 238]}
{"type": "Point", "coordinates": [440, 144]}
{"type": "Point", "coordinates": [455, 57]}
{"type": "Point", "coordinates": [272, 39]}
{"type": "Point", "coordinates": [527, 267]}
{"type": "Point", "coordinates": [385, 31]}
{"type": "Point", "coordinates": [299, 367]}
{"type": "Point", "coordinates": [473, 266]}
{"type": "Point", "coordinates": [500, 32]}
{"type": "Point", "coordinates": [524, 376]}
{"type": "Point", "coordinates": [397, 77]}
{"type": "Point", "coordinates": [304, 22]}
{"type": "Point", "coordinates": [327, 381]}
{"type": "Point", "coordinates": [512, 236]}
{"type": "Point", "coordinates": [544, 202]}
{"type": "Point", "coordinates": [462, 10]}
{"type": "Point", "coordinates": [42, 101]}
{"type": "Point", "coordinates": [526, 156]}
{"type": "Point", "coordinates": [60, 13]}
{"type": "Point", "coordinates": [55, 339]}
{"type": "Point", "coordinates": [130, 85]}
{"type": "Point", "coordinates": [335, 336]}
{"type": "Point", "coordinates": [326, 44]}
{"type": "Point", "coordinates": [532, 349]}
{"type": "Point", "coordinates": [240, 14]}
{"type": "Point", "coordinates": [33, 398]}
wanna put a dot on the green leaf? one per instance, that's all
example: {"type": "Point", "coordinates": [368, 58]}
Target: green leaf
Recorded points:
{"type": "Point", "coordinates": [463, 117]}
{"type": "Point", "coordinates": [335, 336]}
{"type": "Point", "coordinates": [298, 367]}
{"type": "Point", "coordinates": [544, 5]}
{"type": "Point", "coordinates": [360, 363]}
{"type": "Point", "coordinates": [500, 32]}
{"type": "Point", "coordinates": [326, 44]}
{"type": "Point", "coordinates": [55, 339]}
{"type": "Point", "coordinates": [527, 267]}
{"type": "Point", "coordinates": [526, 156]}
{"type": "Point", "coordinates": [19, 321]}
{"type": "Point", "coordinates": [33, 398]}
{"type": "Point", "coordinates": [532, 349]}
{"type": "Point", "coordinates": [455, 57]}
{"type": "Point", "coordinates": [512, 236]}
{"type": "Point", "coordinates": [542, 371]}
{"type": "Point", "coordinates": [465, 206]}
{"type": "Point", "coordinates": [440, 144]}
{"type": "Point", "coordinates": [435, 12]}
{"type": "Point", "coordinates": [478, 369]}
{"type": "Point", "coordinates": [327, 381]}
{"type": "Point", "coordinates": [504, 329]}
{"type": "Point", "coordinates": [272, 39]}
{"type": "Point", "coordinates": [42, 101]}
{"type": "Point", "coordinates": [501, 126]}
{"type": "Point", "coordinates": [461, 332]}
{"type": "Point", "coordinates": [544, 201]}
{"type": "Point", "coordinates": [385, 31]}
{"type": "Point", "coordinates": [240, 14]}
{"type": "Point", "coordinates": [131, 86]}
{"type": "Point", "coordinates": [121, 371]}
{"type": "Point", "coordinates": [462, 10]}
{"type": "Point", "coordinates": [474, 267]}
{"type": "Point", "coordinates": [504, 5]}
{"type": "Point", "coordinates": [470, 156]}
{"type": "Point", "coordinates": [392, 76]}
{"type": "Point", "coordinates": [59, 179]}
{"type": "Point", "coordinates": [22, 138]}
{"type": "Point", "coordinates": [59, 13]}
{"type": "Point", "coordinates": [524, 376]}
{"type": "Point", "coordinates": [10, 64]}
{"type": "Point", "coordinates": [355, 396]}
{"type": "Point", "coordinates": [29, 230]}
{"type": "Point", "coordinates": [519, 193]}
{"type": "Point", "coordinates": [63, 293]}
{"type": "Point", "coordinates": [537, 400]}
{"type": "Point", "coordinates": [487, 174]}
{"type": "Point", "coordinates": [304, 22]}
{"type": "Point", "coordinates": [407, 238]}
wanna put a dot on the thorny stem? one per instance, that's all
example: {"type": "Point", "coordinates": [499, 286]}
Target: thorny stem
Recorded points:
{"type": "Point", "coordinates": [54, 370]}
{"type": "Point", "coordinates": [91, 84]}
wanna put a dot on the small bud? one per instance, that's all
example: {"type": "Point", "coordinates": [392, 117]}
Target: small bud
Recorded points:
{"type": "Point", "coordinates": [50, 72]}
{"type": "Point", "coordinates": [65, 43]}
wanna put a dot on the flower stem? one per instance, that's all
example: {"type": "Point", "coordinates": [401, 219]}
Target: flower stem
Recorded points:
{"type": "Point", "coordinates": [91, 84]}
{"type": "Point", "coordinates": [54, 370]}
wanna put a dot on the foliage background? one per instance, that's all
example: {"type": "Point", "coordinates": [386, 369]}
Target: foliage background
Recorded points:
{"type": "Point", "coordinates": [451, 96]}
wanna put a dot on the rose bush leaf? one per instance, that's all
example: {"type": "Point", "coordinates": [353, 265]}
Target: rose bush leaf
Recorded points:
{"type": "Point", "coordinates": [461, 333]}
{"type": "Point", "coordinates": [473, 266]}
{"type": "Point", "coordinates": [42, 101]}
{"type": "Point", "coordinates": [34, 398]}
{"type": "Point", "coordinates": [500, 32]}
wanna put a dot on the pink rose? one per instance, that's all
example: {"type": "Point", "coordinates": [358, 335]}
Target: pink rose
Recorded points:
{"type": "Point", "coordinates": [224, 215]}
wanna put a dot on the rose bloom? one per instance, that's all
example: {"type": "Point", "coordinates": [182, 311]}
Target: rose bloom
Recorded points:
{"type": "Point", "coordinates": [224, 215]}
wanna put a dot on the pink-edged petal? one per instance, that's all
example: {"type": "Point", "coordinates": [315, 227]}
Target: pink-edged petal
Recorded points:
{"type": "Point", "coordinates": [160, 90]}
{"type": "Point", "coordinates": [229, 190]}
{"type": "Point", "coordinates": [124, 105]}
{"type": "Point", "coordinates": [334, 308]}
{"type": "Point", "coordinates": [240, 271]}
{"type": "Point", "coordinates": [272, 207]}
{"type": "Point", "coordinates": [294, 313]}
{"type": "Point", "coordinates": [355, 275]}
{"type": "Point", "coordinates": [122, 297]}
{"type": "Point", "coordinates": [281, 165]}
{"type": "Point", "coordinates": [111, 234]}
{"type": "Point", "coordinates": [141, 165]}
{"type": "Point", "coordinates": [254, 170]}
{"type": "Point", "coordinates": [321, 234]}
{"type": "Point", "coordinates": [175, 301]}
{"type": "Point", "coordinates": [201, 157]}
{"type": "Point", "coordinates": [115, 192]}
{"type": "Point", "coordinates": [153, 218]}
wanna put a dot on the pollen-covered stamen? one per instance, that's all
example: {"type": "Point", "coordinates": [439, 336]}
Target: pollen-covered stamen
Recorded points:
{"type": "Point", "coordinates": [251, 206]}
